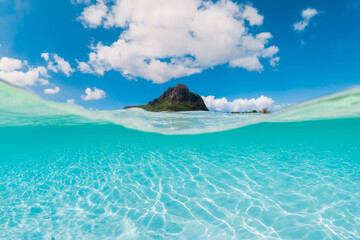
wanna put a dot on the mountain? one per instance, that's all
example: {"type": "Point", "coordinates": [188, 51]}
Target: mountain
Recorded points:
{"type": "Point", "coordinates": [177, 98]}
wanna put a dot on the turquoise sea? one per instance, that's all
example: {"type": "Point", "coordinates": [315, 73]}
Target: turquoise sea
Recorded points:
{"type": "Point", "coordinates": [70, 173]}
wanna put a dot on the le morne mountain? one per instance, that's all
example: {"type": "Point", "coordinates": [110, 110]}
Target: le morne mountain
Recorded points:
{"type": "Point", "coordinates": [177, 98]}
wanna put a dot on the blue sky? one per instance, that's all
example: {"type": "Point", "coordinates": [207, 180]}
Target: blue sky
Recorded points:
{"type": "Point", "coordinates": [320, 59]}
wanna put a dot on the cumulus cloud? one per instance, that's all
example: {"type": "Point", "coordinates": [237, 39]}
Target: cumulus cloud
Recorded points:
{"type": "Point", "coordinates": [45, 56]}
{"type": "Point", "coordinates": [238, 105]}
{"type": "Point", "coordinates": [281, 106]}
{"type": "Point", "coordinates": [19, 73]}
{"type": "Point", "coordinates": [307, 14]}
{"type": "Point", "coordinates": [93, 15]}
{"type": "Point", "coordinates": [252, 15]}
{"type": "Point", "coordinates": [274, 61]}
{"type": "Point", "coordinates": [70, 101]}
{"type": "Point", "coordinates": [84, 67]}
{"type": "Point", "coordinates": [52, 90]}
{"type": "Point", "coordinates": [57, 64]}
{"type": "Point", "coordinates": [10, 64]}
{"type": "Point", "coordinates": [95, 94]}
{"type": "Point", "coordinates": [76, 2]}
{"type": "Point", "coordinates": [165, 39]}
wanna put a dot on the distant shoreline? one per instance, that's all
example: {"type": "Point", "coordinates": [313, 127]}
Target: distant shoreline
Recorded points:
{"type": "Point", "coordinates": [264, 111]}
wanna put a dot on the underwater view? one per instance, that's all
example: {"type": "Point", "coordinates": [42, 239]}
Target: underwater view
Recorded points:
{"type": "Point", "coordinates": [67, 172]}
{"type": "Point", "coordinates": [179, 120]}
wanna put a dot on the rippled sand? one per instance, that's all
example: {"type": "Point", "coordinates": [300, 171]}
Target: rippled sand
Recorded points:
{"type": "Point", "coordinates": [266, 181]}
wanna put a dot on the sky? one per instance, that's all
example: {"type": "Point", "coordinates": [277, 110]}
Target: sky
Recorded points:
{"type": "Point", "coordinates": [107, 54]}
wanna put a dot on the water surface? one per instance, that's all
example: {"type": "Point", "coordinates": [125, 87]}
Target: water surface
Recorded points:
{"type": "Point", "coordinates": [69, 173]}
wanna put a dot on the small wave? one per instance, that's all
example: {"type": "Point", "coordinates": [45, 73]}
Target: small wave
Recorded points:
{"type": "Point", "coordinates": [345, 104]}
{"type": "Point", "coordinates": [21, 108]}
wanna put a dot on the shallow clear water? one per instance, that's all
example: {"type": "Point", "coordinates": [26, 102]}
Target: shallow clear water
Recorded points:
{"type": "Point", "coordinates": [71, 177]}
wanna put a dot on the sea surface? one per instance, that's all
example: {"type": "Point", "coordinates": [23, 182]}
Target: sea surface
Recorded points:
{"type": "Point", "coordinates": [71, 173]}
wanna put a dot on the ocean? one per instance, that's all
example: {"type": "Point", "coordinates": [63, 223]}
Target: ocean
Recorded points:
{"type": "Point", "coordinates": [71, 173]}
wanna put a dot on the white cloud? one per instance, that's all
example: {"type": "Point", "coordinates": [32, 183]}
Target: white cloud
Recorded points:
{"type": "Point", "coordinates": [238, 105]}
{"type": "Point", "coordinates": [63, 65]}
{"type": "Point", "coordinates": [93, 15]}
{"type": "Point", "coordinates": [250, 63]}
{"type": "Point", "coordinates": [45, 56]}
{"type": "Point", "coordinates": [70, 101]}
{"type": "Point", "coordinates": [19, 73]}
{"type": "Point", "coordinates": [165, 39]}
{"type": "Point", "coordinates": [84, 67]}
{"type": "Point", "coordinates": [251, 14]}
{"type": "Point", "coordinates": [95, 94]}
{"type": "Point", "coordinates": [274, 61]}
{"type": "Point", "coordinates": [52, 90]}
{"type": "Point", "coordinates": [76, 2]}
{"type": "Point", "coordinates": [57, 64]}
{"type": "Point", "coordinates": [307, 14]}
{"type": "Point", "coordinates": [281, 106]}
{"type": "Point", "coordinates": [10, 64]}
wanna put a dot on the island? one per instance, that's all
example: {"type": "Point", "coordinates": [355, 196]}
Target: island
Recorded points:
{"type": "Point", "coordinates": [178, 98]}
